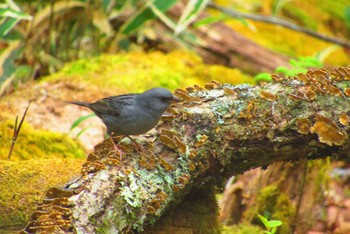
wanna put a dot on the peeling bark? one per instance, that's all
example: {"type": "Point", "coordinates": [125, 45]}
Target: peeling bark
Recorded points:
{"type": "Point", "coordinates": [216, 132]}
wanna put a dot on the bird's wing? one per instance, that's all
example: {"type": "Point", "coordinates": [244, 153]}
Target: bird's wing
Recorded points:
{"type": "Point", "coordinates": [112, 105]}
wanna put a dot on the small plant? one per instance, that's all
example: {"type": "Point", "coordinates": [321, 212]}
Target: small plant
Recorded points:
{"type": "Point", "coordinates": [263, 77]}
{"type": "Point", "coordinates": [300, 65]}
{"type": "Point", "coordinates": [270, 225]}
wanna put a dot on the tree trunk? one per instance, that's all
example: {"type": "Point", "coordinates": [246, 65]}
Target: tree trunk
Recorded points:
{"type": "Point", "coordinates": [214, 133]}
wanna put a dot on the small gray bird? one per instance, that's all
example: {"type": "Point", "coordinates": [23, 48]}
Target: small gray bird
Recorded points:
{"type": "Point", "coordinates": [131, 114]}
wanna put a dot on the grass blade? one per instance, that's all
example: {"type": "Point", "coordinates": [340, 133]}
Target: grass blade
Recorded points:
{"type": "Point", "coordinates": [80, 120]}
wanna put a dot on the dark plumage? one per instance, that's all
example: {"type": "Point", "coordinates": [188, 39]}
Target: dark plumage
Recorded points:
{"type": "Point", "coordinates": [131, 114]}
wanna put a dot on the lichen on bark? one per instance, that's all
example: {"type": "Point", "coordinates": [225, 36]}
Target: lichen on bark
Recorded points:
{"type": "Point", "coordinates": [217, 131]}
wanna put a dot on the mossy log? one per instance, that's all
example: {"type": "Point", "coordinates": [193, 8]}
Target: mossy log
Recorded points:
{"type": "Point", "coordinates": [215, 132]}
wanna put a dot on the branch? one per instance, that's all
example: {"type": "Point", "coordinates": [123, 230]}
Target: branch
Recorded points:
{"type": "Point", "coordinates": [214, 133]}
{"type": "Point", "coordinates": [281, 22]}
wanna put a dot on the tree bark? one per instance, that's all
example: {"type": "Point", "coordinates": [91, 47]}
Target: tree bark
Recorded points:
{"type": "Point", "coordinates": [213, 133]}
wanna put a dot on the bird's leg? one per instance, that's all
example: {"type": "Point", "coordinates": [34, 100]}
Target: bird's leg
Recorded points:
{"type": "Point", "coordinates": [119, 151]}
{"type": "Point", "coordinates": [138, 146]}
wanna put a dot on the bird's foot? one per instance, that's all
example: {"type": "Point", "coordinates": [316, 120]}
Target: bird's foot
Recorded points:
{"type": "Point", "coordinates": [139, 147]}
{"type": "Point", "coordinates": [117, 150]}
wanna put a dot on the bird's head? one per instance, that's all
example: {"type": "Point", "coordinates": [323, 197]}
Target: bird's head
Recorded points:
{"type": "Point", "coordinates": [157, 100]}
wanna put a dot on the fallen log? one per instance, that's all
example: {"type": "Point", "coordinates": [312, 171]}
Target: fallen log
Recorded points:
{"type": "Point", "coordinates": [215, 132]}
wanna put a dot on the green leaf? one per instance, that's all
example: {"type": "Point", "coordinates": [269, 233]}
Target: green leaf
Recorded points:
{"type": "Point", "coordinates": [80, 120]}
{"type": "Point", "coordinates": [7, 25]}
{"type": "Point", "coordinates": [161, 16]}
{"type": "Point", "coordinates": [275, 223]}
{"type": "Point", "coordinates": [210, 20]}
{"type": "Point", "coordinates": [273, 230]}
{"type": "Point", "coordinates": [190, 14]}
{"type": "Point", "coordinates": [9, 18]}
{"type": "Point", "coordinates": [7, 65]}
{"type": "Point", "coordinates": [146, 14]}
{"type": "Point", "coordinates": [81, 132]}
{"type": "Point", "coordinates": [264, 220]}
{"type": "Point", "coordinates": [7, 12]}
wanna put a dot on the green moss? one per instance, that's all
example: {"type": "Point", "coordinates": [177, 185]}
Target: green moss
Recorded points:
{"type": "Point", "coordinates": [138, 71]}
{"type": "Point", "coordinates": [33, 143]}
{"type": "Point", "coordinates": [284, 211]}
{"type": "Point", "coordinates": [23, 184]}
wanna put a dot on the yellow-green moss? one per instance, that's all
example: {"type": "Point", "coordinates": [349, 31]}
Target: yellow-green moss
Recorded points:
{"type": "Point", "coordinates": [23, 185]}
{"type": "Point", "coordinates": [34, 143]}
{"type": "Point", "coordinates": [137, 71]}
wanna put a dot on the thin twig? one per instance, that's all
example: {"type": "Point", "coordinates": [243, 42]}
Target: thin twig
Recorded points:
{"type": "Point", "coordinates": [279, 21]}
{"type": "Point", "coordinates": [13, 139]}
{"type": "Point", "coordinates": [16, 130]}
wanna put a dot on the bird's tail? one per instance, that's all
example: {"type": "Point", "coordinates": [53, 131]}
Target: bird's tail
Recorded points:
{"type": "Point", "coordinates": [85, 104]}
